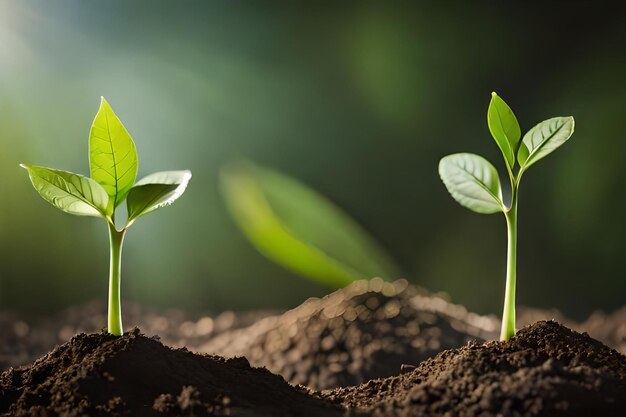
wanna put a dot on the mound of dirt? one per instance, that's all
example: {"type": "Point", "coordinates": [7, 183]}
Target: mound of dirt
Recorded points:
{"type": "Point", "coordinates": [133, 375]}
{"type": "Point", "coordinates": [22, 341]}
{"type": "Point", "coordinates": [366, 330]}
{"type": "Point", "coordinates": [545, 370]}
{"type": "Point", "coordinates": [609, 328]}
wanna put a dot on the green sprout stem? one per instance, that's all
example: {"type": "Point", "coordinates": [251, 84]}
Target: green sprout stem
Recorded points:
{"type": "Point", "coordinates": [475, 184]}
{"type": "Point", "coordinates": [113, 168]}
{"type": "Point", "coordinates": [508, 314]}
{"type": "Point", "coordinates": [115, 308]}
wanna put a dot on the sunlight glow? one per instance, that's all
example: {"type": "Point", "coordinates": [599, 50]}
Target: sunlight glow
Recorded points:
{"type": "Point", "coordinates": [14, 50]}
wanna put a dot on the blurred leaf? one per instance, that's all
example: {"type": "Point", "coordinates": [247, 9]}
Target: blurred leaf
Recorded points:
{"type": "Point", "coordinates": [155, 191]}
{"type": "Point", "coordinates": [69, 192]}
{"type": "Point", "coordinates": [472, 181]}
{"type": "Point", "coordinates": [112, 155]}
{"type": "Point", "coordinates": [543, 139]}
{"type": "Point", "coordinates": [504, 128]}
{"type": "Point", "coordinates": [299, 229]}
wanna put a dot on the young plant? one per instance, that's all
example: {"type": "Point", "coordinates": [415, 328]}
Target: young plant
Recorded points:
{"type": "Point", "coordinates": [474, 183]}
{"type": "Point", "coordinates": [113, 169]}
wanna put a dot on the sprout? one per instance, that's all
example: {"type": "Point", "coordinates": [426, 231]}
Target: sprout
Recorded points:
{"type": "Point", "coordinates": [474, 183]}
{"type": "Point", "coordinates": [113, 169]}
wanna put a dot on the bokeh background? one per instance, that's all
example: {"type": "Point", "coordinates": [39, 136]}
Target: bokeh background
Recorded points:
{"type": "Point", "coordinates": [358, 100]}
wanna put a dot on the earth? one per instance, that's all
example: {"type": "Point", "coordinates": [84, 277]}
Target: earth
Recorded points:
{"type": "Point", "coordinates": [373, 348]}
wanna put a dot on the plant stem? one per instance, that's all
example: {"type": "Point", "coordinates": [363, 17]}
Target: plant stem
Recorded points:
{"type": "Point", "coordinates": [508, 314]}
{"type": "Point", "coordinates": [116, 239]}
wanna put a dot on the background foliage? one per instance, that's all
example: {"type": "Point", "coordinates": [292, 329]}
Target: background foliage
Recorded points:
{"type": "Point", "coordinates": [358, 100]}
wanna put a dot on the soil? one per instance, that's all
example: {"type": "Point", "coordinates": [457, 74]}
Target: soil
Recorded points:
{"type": "Point", "coordinates": [545, 370]}
{"type": "Point", "coordinates": [133, 375]}
{"type": "Point", "coordinates": [609, 328]}
{"type": "Point", "coordinates": [22, 341]}
{"type": "Point", "coordinates": [366, 330]}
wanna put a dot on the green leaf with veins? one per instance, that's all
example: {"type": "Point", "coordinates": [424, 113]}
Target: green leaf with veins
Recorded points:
{"type": "Point", "coordinates": [472, 181]}
{"type": "Point", "coordinates": [72, 193]}
{"type": "Point", "coordinates": [543, 139]}
{"type": "Point", "coordinates": [155, 191]}
{"type": "Point", "coordinates": [113, 167]}
{"type": "Point", "coordinates": [504, 128]}
{"type": "Point", "coordinates": [112, 154]}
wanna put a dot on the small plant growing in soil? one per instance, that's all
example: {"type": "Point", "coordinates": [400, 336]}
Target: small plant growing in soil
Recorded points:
{"type": "Point", "coordinates": [474, 183]}
{"type": "Point", "coordinates": [113, 168]}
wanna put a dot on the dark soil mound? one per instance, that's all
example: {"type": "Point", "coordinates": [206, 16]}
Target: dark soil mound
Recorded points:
{"type": "Point", "coordinates": [546, 370]}
{"type": "Point", "coordinates": [366, 330]}
{"type": "Point", "coordinates": [610, 328]}
{"type": "Point", "coordinates": [22, 342]}
{"type": "Point", "coordinates": [103, 375]}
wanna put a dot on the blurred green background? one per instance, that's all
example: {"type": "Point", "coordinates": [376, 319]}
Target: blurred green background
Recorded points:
{"type": "Point", "coordinates": [358, 100]}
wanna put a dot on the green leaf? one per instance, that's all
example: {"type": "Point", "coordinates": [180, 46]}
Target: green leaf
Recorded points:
{"type": "Point", "coordinates": [472, 181]}
{"type": "Point", "coordinates": [543, 139]}
{"type": "Point", "coordinates": [299, 229]}
{"type": "Point", "coordinates": [504, 128]}
{"type": "Point", "coordinates": [155, 191]}
{"type": "Point", "coordinates": [72, 193]}
{"type": "Point", "coordinates": [112, 155]}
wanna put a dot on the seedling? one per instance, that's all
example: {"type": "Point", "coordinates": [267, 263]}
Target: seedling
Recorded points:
{"type": "Point", "coordinates": [474, 183]}
{"type": "Point", "coordinates": [113, 168]}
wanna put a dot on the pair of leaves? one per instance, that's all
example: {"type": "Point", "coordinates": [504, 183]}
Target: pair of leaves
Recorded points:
{"type": "Point", "coordinates": [474, 183]}
{"type": "Point", "coordinates": [298, 228]}
{"type": "Point", "coordinates": [540, 141]}
{"type": "Point", "coordinates": [113, 167]}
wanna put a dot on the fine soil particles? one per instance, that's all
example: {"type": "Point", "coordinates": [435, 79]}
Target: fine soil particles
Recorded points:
{"type": "Point", "coordinates": [366, 330]}
{"type": "Point", "coordinates": [545, 370]}
{"type": "Point", "coordinates": [133, 375]}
